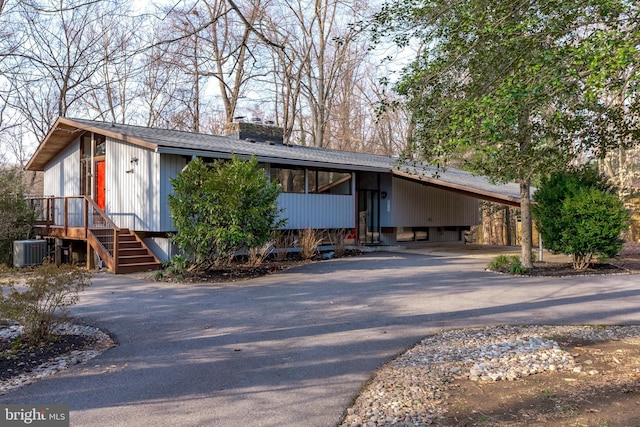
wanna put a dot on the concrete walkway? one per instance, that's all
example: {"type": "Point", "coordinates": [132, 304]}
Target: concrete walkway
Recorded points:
{"type": "Point", "coordinates": [293, 349]}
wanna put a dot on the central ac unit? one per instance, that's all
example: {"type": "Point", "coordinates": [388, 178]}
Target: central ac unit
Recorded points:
{"type": "Point", "coordinates": [29, 252]}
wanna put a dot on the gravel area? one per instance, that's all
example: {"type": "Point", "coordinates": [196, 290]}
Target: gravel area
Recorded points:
{"type": "Point", "coordinates": [60, 359]}
{"type": "Point", "coordinates": [410, 389]}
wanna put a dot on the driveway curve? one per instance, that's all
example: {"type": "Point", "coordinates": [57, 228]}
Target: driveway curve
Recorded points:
{"type": "Point", "coordinates": [293, 349]}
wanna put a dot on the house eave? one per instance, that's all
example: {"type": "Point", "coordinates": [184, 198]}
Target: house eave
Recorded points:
{"type": "Point", "coordinates": [63, 132]}
{"type": "Point", "coordinates": [479, 193]}
{"type": "Point", "coordinates": [268, 159]}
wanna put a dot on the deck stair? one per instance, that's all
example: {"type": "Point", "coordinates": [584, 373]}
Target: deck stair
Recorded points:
{"type": "Point", "coordinates": [133, 254]}
{"type": "Point", "coordinates": [80, 218]}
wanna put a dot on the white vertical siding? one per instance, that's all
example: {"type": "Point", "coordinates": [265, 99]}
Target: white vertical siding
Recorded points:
{"type": "Point", "coordinates": [132, 188]}
{"type": "Point", "coordinates": [62, 174]}
{"type": "Point", "coordinates": [170, 167]}
{"type": "Point", "coordinates": [317, 210]}
{"type": "Point", "coordinates": [418, 205]}
{"type": "Point", "coordinates": [162, 247]}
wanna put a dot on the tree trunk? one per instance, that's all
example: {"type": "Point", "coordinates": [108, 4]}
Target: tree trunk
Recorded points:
{"type": "Point", "coordinates": [527, 229]}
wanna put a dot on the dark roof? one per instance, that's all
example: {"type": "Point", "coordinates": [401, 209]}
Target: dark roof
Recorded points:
{"type": "Point", "coordinates": [188, 143]}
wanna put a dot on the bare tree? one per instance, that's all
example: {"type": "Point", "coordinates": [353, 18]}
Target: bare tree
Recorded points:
{"type": "Point", "coordinates": [211, 44]}
{"type": "Point", "coordinates": [113, 97]}
{"type": "Point", "coordinates": [10, 64]}
{"type": "Point", "coordinates": [314, 48]}
{"type": "Point", "coordinates": [160, 81]}
{"type": "Point", "coordinates": [621, 163]}
{"type": "Point", "coordinates": [62, 51]}
{"type": "Point", "coordinates": [195, 66]}
{"type": "Point", "coordinates": [234, 50]}
{"type": "Point", "coordinates": [388, 128]}
{"type": "Point", "coordinates": [183, 53]}
{"type": "Point", "coordinates": [287, 71]}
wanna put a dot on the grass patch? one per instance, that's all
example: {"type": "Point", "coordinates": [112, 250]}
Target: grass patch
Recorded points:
{"type": "Point", "coordinates": [508, 264]}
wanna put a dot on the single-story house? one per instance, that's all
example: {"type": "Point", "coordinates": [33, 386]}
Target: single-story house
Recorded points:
{"type": "Point", "coordinates": [109, 181]}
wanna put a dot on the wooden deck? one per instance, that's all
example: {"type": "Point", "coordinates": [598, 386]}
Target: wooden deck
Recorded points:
{"type": "Point", "coordinates": [80, 218]}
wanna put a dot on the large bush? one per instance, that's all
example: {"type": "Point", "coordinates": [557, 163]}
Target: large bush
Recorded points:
{"type": "Point", "coordinates": [579, 214]}
{"type": "Point", "coordinates": [221, 208]}
{"type": "Point", "coordinates": [16, 216]}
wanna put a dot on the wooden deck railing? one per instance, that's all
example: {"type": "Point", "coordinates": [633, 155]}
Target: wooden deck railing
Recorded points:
{"type": "Point", "coordinates": [78, 217]}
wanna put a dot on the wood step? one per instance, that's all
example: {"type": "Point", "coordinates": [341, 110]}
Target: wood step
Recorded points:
{"type": "Point", "coordinates": [133, 255]}
{"type": "Point", "coordinates": [137, 259]}
{"type": "Point", "coordinates": [138, 268]}
{"type": "Point", "coordinates": [132, 251]}
{"type": "Point", "coordinates": [129, 245]}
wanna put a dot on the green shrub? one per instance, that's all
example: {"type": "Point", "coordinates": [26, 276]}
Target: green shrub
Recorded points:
{"type": "Point", "coordinates": [594, 224]}
{"type": "Point", "coordinates": [16, 215]}
{"type": "Point", "coordinates": [507, 264]}
{"type": "Point", "coordinates": [221, 208]}
{"type": "Point", "coordinates": [517, 268]}
{"type": "Point", "coordinates": [175, 268]}
{"type": "Point", "coordinates": [42, 300]}
{"type": "Point", "coordinates": [498, 263]}
{"type": "Point", "coordinates": [579, 214]}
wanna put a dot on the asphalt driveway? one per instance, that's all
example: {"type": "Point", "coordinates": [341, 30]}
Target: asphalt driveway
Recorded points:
{"type": "Point", "coordinates": [293, 349]}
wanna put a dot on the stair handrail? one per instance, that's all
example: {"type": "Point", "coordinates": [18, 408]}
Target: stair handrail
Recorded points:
{"type": "Point", "coordinates": [100, 212]}
{"type": "Point", "coordinates": [107, 223]}
{"type": "Point", "coordinates": [54, 211]}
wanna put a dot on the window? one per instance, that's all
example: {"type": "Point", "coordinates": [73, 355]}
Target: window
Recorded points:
{"type": "Point", "coordinates": [85, 146]}
{"type": "Point", "coordinates": [291, 180]}
{"type": "Point", "coordinates": [329, 182]}
{"type": "Point", "coordinates": [319, 181]}
{"type": "Point", "coordinates": [101, 145]}
{"type": "Point", "coordinates": [99, 151]}
{"type": "Point", "coordinates": [412, 234]}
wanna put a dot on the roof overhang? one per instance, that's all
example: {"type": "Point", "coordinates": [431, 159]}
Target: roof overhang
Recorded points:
{"type": "Point", "coordinates": [63, 133]}
{"type": "Point", "coordinates": [268, 159]}
{"type": "Point", "coordinates": [478, 193]}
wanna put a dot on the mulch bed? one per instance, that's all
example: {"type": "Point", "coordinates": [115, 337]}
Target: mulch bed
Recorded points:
{"type": "Point", "coordinates": [566, 269]}
{"type": "Point", "coordinates": [17, 357]}
{"type": "Point", "coordinates": [234, 273]}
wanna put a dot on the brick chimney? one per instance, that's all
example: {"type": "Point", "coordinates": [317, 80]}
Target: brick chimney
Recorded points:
{"type": "Point", "coordinates": [255, 132]}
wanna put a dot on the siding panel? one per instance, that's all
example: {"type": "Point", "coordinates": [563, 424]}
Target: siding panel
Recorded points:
{"type": "Point", "coordinates": [317, 211]}
{"type": "Point", "coordinates": [170, 167]}
{"type": "Point", "coordinates": [162, 247]}
{"type": "Point", "coordinates": [418, 205]}
{"type": "Point", "coordinates": [132, 190]}
{"type": "Point", "coordinates": [62, 174]}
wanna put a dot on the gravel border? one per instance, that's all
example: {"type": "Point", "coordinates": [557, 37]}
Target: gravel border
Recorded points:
{"type": "Point", "coordinates": [102, 342]}
{"type": "Point", "coordinates": [410, 389]}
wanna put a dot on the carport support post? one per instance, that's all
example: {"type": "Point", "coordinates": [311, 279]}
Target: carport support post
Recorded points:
{"type": "Point", "coordinates": [527, 227]}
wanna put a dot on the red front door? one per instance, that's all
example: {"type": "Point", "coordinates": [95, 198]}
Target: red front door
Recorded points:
{"type": "Point", "coordinates": [100, 183]}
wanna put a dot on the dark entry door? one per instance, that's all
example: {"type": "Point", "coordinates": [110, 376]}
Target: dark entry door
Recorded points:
{"type": "Point", "coordinates": [368, 217]}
